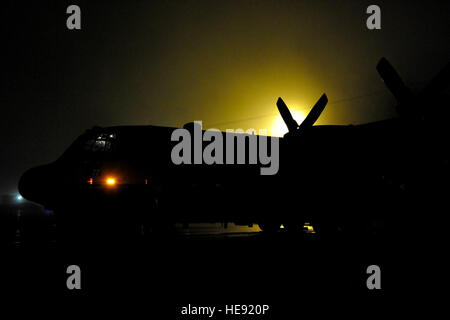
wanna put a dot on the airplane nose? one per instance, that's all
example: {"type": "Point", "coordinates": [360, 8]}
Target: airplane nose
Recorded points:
{"type": "Point", "coordinates": [37, 184]}
{"type": "Point", "coordinates": [27, 184]}
{"type": "Point", "coordinates": [34, 185]}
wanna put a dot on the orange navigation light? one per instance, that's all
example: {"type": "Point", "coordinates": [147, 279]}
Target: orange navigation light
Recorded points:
{"type": "Point", "coordinates": [110, 181]}
{"type": "Point", "coordinates": [90, 180]}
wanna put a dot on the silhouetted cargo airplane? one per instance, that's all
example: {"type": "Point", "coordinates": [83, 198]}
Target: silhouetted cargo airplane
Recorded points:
{"type": "Point", "coordinates": [334, 176]}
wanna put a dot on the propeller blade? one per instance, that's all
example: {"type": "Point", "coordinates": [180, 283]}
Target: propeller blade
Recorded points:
{"type": "Point", "coordinates": [315, 112]}
{"type": "Point", "coordinates": [439, 83]}
{"type": "Point", "coordinates": [393, 81]}
{"type": "Point", "coordinates": [286, 115]}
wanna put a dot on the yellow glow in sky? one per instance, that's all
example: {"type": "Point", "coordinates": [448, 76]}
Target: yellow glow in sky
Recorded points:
{"type": "Point", "coordinates": [278, 127]}
{"type": "Point", "coordinates": [111, 181]}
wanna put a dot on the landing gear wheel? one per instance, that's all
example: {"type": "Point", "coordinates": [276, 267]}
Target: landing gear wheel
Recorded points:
{"type": "Point", "coordinates": [269, 227]}
{"type": "Point", "coordinates": [159, 228]}
{"type": "Point", "coordinates": [326, 230]}
{"type": "Point", "coordinates": [294, 227]}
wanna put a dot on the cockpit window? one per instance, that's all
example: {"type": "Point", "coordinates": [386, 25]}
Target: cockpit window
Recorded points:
{"type": "Point", "coordinates": [101, 142]}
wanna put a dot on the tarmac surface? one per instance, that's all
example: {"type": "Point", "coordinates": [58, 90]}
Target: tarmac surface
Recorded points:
{"type": "Point", "coordinates": [206, 264]}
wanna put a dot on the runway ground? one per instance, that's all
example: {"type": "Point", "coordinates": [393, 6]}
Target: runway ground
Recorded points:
{"type": "Point", "coordinates": [206, 264]}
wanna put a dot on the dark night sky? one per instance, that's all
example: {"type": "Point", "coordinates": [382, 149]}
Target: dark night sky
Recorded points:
{"type": "Point", "coordinates": [170, 62]}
